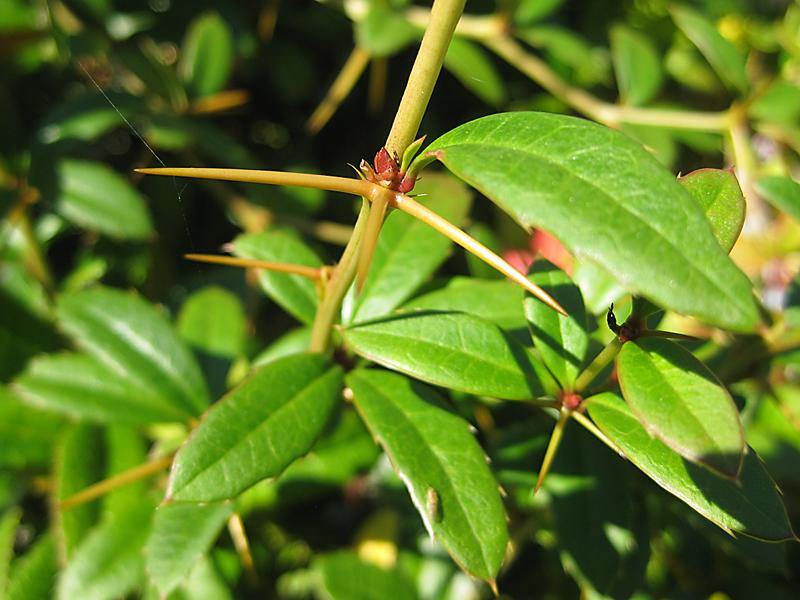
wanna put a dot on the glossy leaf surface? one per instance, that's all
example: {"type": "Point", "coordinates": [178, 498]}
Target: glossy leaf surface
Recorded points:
{"type": "Point", "coordinates": [257, 430]}
{"type": "Point", "coordinates": [93, 196]}
{"type": "Point", "coordinates": [137, 343]}
{"type": "Point", "coordinates": [719, 195]}
{"type": "Point", "coordinates": [561, 340]}
{"type": "Point", "coordinates": [408, 250]}
{"type": "Point", "coordinates": [496, 300]}
{"type": "Point", "coordinates": [82, 387]}
{"type": "Point", "coordinates": [294, 293]}
{"type": "Point", "coordinates": [181, 534]}
{"type": "Point", "coordinates": [609, 201]}
{"type": "Point", "coordinates": [681, 402]}
{"type": "Point", "coordinates": [751, 506]}
{"type": "Point", "coordinates": [433, 449]}
{"type": "Point", "coordinates": [454, 350]}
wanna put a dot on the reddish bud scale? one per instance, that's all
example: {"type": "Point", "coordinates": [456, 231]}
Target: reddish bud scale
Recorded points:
{"type": "Point", "coordinates": [571, 400]}
{"type": "Point", "coordinates": [386, 172]}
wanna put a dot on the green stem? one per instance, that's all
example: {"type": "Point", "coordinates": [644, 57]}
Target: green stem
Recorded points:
{"type": "Point", "coordinates": [444, 18]}
{"type": "Point", "coordinates": [338, 285]}
{"type": "Point", "coordinates": [421, 80]}
{"type": "Point", "coordinates": [599, 363]}
{"type": "Point", "coordinates": [552, 447]}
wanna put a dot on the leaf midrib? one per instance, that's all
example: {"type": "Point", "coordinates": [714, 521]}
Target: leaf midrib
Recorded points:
{"type": "Point", "coordinates": [688, 498]}
{"type": "Point", "coordinates": [289, 403]}
{"type": "Point", "coordinates": [438, 461]}
{"type": "Point", "coordinates": [611, 198]}
{"type": "Point", "coordinates": [665, 382]}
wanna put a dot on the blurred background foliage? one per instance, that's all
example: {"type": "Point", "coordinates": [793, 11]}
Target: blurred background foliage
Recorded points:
{"type": "Point", "coordinates": [91, 89]}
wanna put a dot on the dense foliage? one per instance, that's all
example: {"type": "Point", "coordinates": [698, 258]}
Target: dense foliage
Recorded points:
{"type": "Point", "coordinates": [388, 409]}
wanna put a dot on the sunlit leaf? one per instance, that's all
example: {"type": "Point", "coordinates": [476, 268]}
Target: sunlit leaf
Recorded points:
{"type": "Point", "coordinates": [438, 459]}
{"type": "Point", "coordinates": [454, 350]}
{"type": "Point", "coordinates": [609, 201]}
{"type": "Point", "coordinates": [294, 293]}
{"type": "Point", "coordinates": [257, 430]}
{"type": "Point", "coordinates": [681, 402]}
{"type": "Point", "coordinates": [181, 534]}
{"type": "Point", "coordinates": [751, 506]}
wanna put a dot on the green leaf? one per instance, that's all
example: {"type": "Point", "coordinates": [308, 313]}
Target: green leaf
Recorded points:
{"type": "Point", "coordinates": [383, 31]}
{"type": "Point", "coordinates": [344, 576]}
{"type": "Point", "coordinates": [207, 58]}
{"type": "Point", "coordinates": [469, 64]}
{"type": "Point", "coordinates": [530, 11]}
{"type": "Point", "coordinates": [78, 464]}
{"type": "Point", "coordinates": [295, 294]}
{"type": "Point", "coordinates": [777, 104]}
{"type": "Point", "coordinates": [722, 55]}
{"type": "Point", "coordinates": [137, 343]}
{"type": "Point", "coordinates": [257, 430]}
{"type": "Point", "coordinates": [205, 583]}
{"type": "Point", "coordinates": [602, 537]}
{"type": "Point", "coordinates": [27, 435]}
{"type": "Point", "coordinates": [213, 320]}
{"type": "Point", "coordinates": [751, 506]}
{"type": "Point", "coordinates": [569, 52]}
{"type": "Point", "coordinates": [86, 117]}
{"type": "Point", "coordinates": [436, 456]}
{"type": "Point", "coordinates": [95, 197]}
{"type": "Point", "coordinates": [719, 195]}
{"type": "Point", "coordinates": [181, 534]}
{"type": "Point", "coordinates": [637, 65]}
{"type": "Point", "coordinates": [598, 288]}
{"type": "Point", "coordinates": [609, 201]}
{"type": "Point", "coordinates": [496, 300]}
{"type": "Point", "coordinates": [33, 575]}
{"type": "Point", "coordinates": [9, 520]}
{"type": "Point", "coordinates": [109, 563]}
{"type": "Point", "coordinates": [561, 341]}
{"type": "Point", "coordinates": [782, 192]}
{"type": "Point", "coordinates": [82, 387]}
{"type": "Point", "coordinates": [454, 350]}
{"type": "Point", "coordinates": [681, 402]}
{"type": "Point", "coordinates": [408, 250]}
{"type": "Point", "coordinates": [124, 450]}
{"type": "Point", "coordinates": [292, 342]}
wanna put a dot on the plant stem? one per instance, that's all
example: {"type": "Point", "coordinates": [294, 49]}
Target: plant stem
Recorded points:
{"type": "Point", "coordinates": [112, 483]}
{"type": "Point", "coordinates": [421, 80]}
{"type": "Point", "coordinates": [552, 447]}
{"type": "Point", "coordinates": [444, 18]}
{"type": "Point", "coordinates": [599, 363]}
{"type": "Point", "coordinates": [338, 285]}
{"type": "Point", "coordinates": [345, 81]}
{"type": "Point", "coordinates": [756, 218]}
